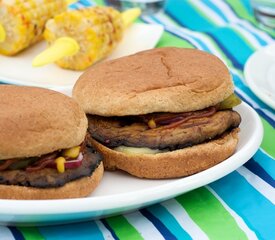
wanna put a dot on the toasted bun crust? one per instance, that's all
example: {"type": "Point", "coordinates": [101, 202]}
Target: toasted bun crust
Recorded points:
{"type": "Point", "coordinates": [179, 163]}
{"type": "Point", "coordinates": [75, 189]}
{"type": "Point", "coordinates": [36, 121]}
{"type": "Point", "coordinates": [158, 80]}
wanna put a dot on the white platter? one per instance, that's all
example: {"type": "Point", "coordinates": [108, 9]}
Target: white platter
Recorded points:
{"type": "Point", "coordinates": [119, 192]}
{"type": "Point", "coordinates": [18, 69]}
{"type": "Point", "coordinates": [260, 74]}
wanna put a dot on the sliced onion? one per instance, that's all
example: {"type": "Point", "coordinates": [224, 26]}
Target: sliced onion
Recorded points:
{"type": "Point", "coordinates": [74, 163]}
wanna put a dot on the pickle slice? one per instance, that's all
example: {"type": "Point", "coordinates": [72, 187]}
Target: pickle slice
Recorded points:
{"type": "Point", "coordinates": [232, 101]}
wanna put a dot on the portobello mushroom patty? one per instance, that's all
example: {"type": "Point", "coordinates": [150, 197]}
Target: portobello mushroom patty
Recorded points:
{"type": "Point", "coordinates": [175, 131]}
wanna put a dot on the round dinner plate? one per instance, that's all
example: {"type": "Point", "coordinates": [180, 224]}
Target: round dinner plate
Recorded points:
{"type": "Point", "coordinates": [259, 74]}
{"type": "Point", "coordinates": [119, 192]}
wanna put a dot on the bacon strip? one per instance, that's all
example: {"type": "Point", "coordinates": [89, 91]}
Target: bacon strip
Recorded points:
{"type": "Point", "coordinates": [206, 113]}
{"type": "Point", "coordinates": [40, 166]}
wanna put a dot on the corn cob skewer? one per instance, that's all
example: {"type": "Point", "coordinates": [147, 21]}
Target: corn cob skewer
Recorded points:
{"type": "Point", "coordinates": [22, 22]}
{"type": "Point", "coordinates": [90, 34]}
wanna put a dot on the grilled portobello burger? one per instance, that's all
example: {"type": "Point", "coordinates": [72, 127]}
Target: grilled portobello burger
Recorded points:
{"type": "Point", "coordinates": [44, 153]}
{"type": "Point", "coordinates": [161, 113]}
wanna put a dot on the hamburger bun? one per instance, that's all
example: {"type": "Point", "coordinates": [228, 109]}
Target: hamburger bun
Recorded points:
{"type": "Point", "coordinates": [157, 80]}
{"type": "Point", "coordinates": [35, 121]}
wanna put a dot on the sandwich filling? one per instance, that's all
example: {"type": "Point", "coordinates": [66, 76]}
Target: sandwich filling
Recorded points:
{"type": "Point", "coordinates": [51, 170]}
{"type": "Point", "coordinates": [160, 132]}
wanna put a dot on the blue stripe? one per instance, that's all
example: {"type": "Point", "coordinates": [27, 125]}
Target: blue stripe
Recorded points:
{"type": "Point", "coordinates": [104, 222]}
{"type": "Point", "coordinates": [169, 221]}
{"type": "Point", "coordinates": [158, 224]}
{"type": "Point", "coordinates": [266, 162]}
{"type": "Point", "coordinates": [257, 211]}
{"type": "Point", "coordinates": [259, 171]}
{"type": "Point", "coordinates": [16, 233]}
{"type": "Point", "coordinates": [86, 3]}
{"type": "Point", "coordinates": [81, 4]}
{"type": "Point", "coordinates": [187, 15]}
{"type": "Point", "coordinates": [87, 231]}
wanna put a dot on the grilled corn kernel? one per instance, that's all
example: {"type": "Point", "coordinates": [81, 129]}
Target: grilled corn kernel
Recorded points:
{"type": "Point", "coordinates": [152, 123]}
{"type": "Point", "coordinates": [60, 164]}
{"type": "Point", "coordinates": [71, 152]}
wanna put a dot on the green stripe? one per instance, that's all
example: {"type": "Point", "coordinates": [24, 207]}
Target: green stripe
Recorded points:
{"type": "Point", "coordinates": [210, 215]}
{"type": "Point", "coordinates": [30, 233]}
{"type": "Point", "coordinates": [168, 39]}
{"type": "Point", "coordinates": [99, 2]}
{"type": "Point", "coordinates": [269, 138]}
{"type": "Point", "coordinates": [122, 228]}
{"type": "Point", "coordinates": [240, 10]}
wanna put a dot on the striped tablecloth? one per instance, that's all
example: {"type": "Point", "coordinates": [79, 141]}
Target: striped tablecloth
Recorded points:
{"type": "Point", "coordinates": [238, 206]}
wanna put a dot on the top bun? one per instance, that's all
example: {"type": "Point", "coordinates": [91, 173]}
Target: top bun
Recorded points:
{"type": "Point", "coordinates": [158, 80]}
{"type": "Point", "coordinates": [36, 121]}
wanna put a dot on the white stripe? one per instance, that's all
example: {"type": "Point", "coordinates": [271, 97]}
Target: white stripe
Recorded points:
{"type": "Point", "coordinates": [105, 232]}
{"type": "Point", "coordinates": [247, 35]}
{"type": "Point", "coordinates": [261, 34]}
{"type": "Point", "coordinates": [184, 219]}
{"type": "Point", "coordinates": [266, 153]}
{"type": "Point", "coordinates": [228, 13]}
{"type": "Point", "coordinates": [209, 12]}
{"type": "Point", "coordinates": [143, 226]}
{"type": "Point", "coordinates": [5, 233]}
{"type": "Point", "coordinates": [259, 184]}
{"type": "Point", "coordinates": [248, 232]}
{"type": "Point", "coordinates": [231, 16]}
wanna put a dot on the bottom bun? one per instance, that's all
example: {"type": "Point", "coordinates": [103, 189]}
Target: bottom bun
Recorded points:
{"type": "Point", "coordinates": [74, 189]}
{"type": "Point", "coordinates": [178, 163]}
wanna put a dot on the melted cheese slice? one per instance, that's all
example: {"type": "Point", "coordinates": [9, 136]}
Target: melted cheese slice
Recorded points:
{"type": "Point", "coordinates": [135, 150]}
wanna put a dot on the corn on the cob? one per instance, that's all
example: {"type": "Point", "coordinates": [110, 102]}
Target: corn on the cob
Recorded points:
{"type": "Point", "coordinates": [97, 30]}
{"type": "Point", "coordinates": [23, 22]}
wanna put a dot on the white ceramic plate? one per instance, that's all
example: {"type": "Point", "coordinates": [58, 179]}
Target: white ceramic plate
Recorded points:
{"type": "Point", "coordinates": [119, 192]}
{"type": "Point", "coordinates": [260, 74]}
{"type": "Point", "coordinates": [18, 69]}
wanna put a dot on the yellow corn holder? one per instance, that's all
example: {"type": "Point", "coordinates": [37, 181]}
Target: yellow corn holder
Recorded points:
{"type": "Point", "coordinates": [79, 38]}
{"type": "Point", "coordinates": [62, 47]}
